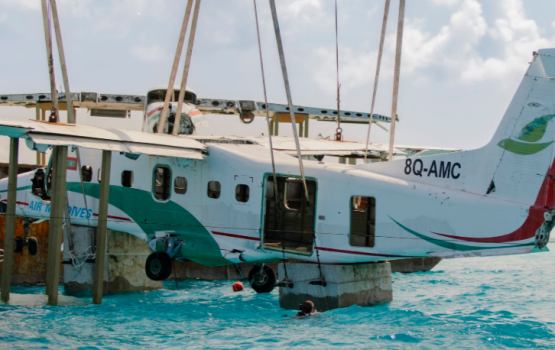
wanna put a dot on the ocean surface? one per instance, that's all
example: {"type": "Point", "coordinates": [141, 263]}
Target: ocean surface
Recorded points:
{"type": "Point", "coordinates": [475, 303]}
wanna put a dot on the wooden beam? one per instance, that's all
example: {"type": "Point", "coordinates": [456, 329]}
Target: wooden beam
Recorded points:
{"type": "Point", "coordinates": [57, 205]}
{"type": "Point", "coordinates": [10, 220]}
{"type": "Point", "coordinates": [102, 227]}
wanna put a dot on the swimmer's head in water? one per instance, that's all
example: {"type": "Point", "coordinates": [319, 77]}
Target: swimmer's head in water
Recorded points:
{"type": "Point", "coordinates": [306, 307]}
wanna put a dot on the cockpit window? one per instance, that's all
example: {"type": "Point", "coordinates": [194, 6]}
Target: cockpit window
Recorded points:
{"type": "Point", "coordinates": [160, 96]}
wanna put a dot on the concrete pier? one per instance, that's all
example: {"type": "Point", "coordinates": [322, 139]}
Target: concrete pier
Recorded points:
{"type": "Point", "coordinates": [124, 268]}
{"type": "Point", "coordinates": [347, 285]}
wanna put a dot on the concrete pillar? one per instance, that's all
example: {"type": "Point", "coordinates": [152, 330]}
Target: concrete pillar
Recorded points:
{"type": "Point", "coordinates": [57, 205]}
{"type": "Point", "coordinates": [10, 221]}
{"type": "Point", "coordinates": [101, 227]}
{"type": "Point", "coordinates": [356, 284]}
{"type": "Point", "coordinates": [124, 263]}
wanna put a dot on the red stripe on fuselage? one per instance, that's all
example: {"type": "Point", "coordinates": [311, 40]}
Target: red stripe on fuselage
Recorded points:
{"type": "Point", "coordinates": [532, 223]}
{"type": "Point", "coordinates": [115, 217]}
{"type": "Point", "coordinates": [236, 236]}
{"type": "Point", "coordinates": [20, 203]}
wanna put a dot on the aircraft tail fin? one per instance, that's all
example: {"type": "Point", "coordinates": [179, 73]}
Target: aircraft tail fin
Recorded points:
{"type": "Point", "coordinates": [517, 164]}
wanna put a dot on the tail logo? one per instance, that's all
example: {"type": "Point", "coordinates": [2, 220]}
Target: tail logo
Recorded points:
{"type": "Point", "coordinates": [527, 141]}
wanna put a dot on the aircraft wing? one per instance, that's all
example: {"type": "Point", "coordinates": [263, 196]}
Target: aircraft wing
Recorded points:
{"type": "Point", "coordinates": [40, 135]}
{"type": "Point", "coordinates": [220, 106]}
{"type": "Point", "coordinates": [309, 147]}
{"type": "Point", "coordinates": [116, 105]}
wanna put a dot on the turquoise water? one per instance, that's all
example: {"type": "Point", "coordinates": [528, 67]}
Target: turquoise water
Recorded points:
{"type": "Point", "coordinates": [497, 302]}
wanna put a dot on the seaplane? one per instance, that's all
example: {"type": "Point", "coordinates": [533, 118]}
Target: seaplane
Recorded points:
{"type": "Point", "coordinates": [219, 201]}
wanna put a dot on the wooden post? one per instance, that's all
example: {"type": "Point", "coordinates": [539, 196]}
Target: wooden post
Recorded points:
{"type": "Point", "coordinates": [10, 220]}
{"type": "Point", "coordinates": [169, 92]}
{"type": "Point", "coordinates": [397, 75]}
{"type": "Point", "coordinates": [57, 205]}
{"type": "Point", "coordinates": [101, 228]}
{"type": "Point", "coordinates": [352, 161]}
{"type": "Point", "coordinates": [306, 126]}
{"type": "Point", "coordinates": [301, 124]}
{"type": "Point", "coordinates": [342, 160]}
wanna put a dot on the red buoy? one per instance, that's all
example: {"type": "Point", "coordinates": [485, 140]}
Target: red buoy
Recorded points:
{"type": "Point", "coordinates": [237, 286]}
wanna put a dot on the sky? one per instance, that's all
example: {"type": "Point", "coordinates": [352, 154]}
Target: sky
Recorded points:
{"type": "Point", "coordinates": [462, 60]}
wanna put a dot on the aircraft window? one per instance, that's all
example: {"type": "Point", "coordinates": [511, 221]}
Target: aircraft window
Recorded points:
{"type": "Point", "coordinates": [162, 182]}
{"type": "Point", "coordinates": [242, 193]}
{"type": "Point", "coordinates": [363, 221]}
{"type": "Point", "coordinates": [214, 189]}
{"type": "Point", "coordinates": [87, 173]}
{"type": "Point", "coordinates": [293, 193]}
{"type": "Point", "coordinates": [180, 185]}
{"type": "Point", "coordinates": [127, 178]}
{"type": "Point", "coordinates": [99, 174]}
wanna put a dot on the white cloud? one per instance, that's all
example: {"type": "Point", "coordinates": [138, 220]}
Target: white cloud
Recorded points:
{"type": "Point", "coordinates": [456, 50]}
{"type": "Point", "coordinates": [152, 53]}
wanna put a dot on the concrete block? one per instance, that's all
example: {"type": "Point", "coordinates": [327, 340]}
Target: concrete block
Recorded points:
{"type": "Point", "coordinates": [356, 284]}
{"type": "Point", "coordinates": [124, 264]}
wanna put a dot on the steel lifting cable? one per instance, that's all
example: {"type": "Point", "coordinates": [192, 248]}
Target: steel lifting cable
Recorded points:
{"type": "Point", "coordinates": [276, 196]}
{"type": "Point", "coordinates": [293, 120]}
{"type": "Point", "coordinates": [376, 78]}
{"type": "Point", "coordinates": [339, 130]}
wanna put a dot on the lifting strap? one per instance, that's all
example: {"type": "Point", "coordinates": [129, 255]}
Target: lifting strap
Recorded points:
{"type": "Point", "coordinates": [339, 130]}
{"type": "Point", "coordinates": [376, 78]}
{"type": "Point", "coordinates": [292, 114]}
{"type": "Point", "coordinates": [186, 69]}
{"type": "Point", "coordinates": [286, 281]}
{"type": "Point", "coordinates": [400, 25]}
{"type": "Point", "coordinates": [169, 91]}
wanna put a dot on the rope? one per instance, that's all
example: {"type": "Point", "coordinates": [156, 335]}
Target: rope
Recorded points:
{"type": "Point", "coordinates": [339, 130]}
{"type": "Point", "coordinates": [378, 65]}
{"type": "Point", "coordinates": [289, 99]}
{"type": "Point", "coordinates": [292, 114]}
{"type": "Point", "coordinates": [276, 192]}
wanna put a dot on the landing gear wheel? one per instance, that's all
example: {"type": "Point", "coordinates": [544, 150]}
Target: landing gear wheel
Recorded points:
{"type": "Point", "coordinates": [33, 246]}
{"type": "Point", "coordinates": [262, 281]}
{"type": "Point", "coordinates": [18, 245]}
{"type": "Point", "coordinates": [158, 266]}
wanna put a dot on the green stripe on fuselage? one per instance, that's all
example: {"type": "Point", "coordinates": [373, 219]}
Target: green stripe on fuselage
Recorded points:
{"type": "Point", "coordinates": [153, 216]}
{"type": "Point", "coordinates": [453, 245]}
{"type": "Point", "coordinates": [19, 189]}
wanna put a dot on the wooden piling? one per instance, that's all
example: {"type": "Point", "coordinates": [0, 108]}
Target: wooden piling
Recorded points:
{"type": "Point", "coordinates": [57, 205]}
{"type": "Point", "coordinates": [101, 228]}
{"type": "Point", "coordinates": [10, 221]}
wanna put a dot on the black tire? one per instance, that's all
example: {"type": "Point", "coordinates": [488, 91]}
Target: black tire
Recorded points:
{"type": "Point", "coordinates": [262, 282]}
{"type": "Point", "coordinates": [158, 266]}
{"type": "Point", "coordinates": [18, 245]}
{"type": "Point", "coordinates": [33, 246]}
